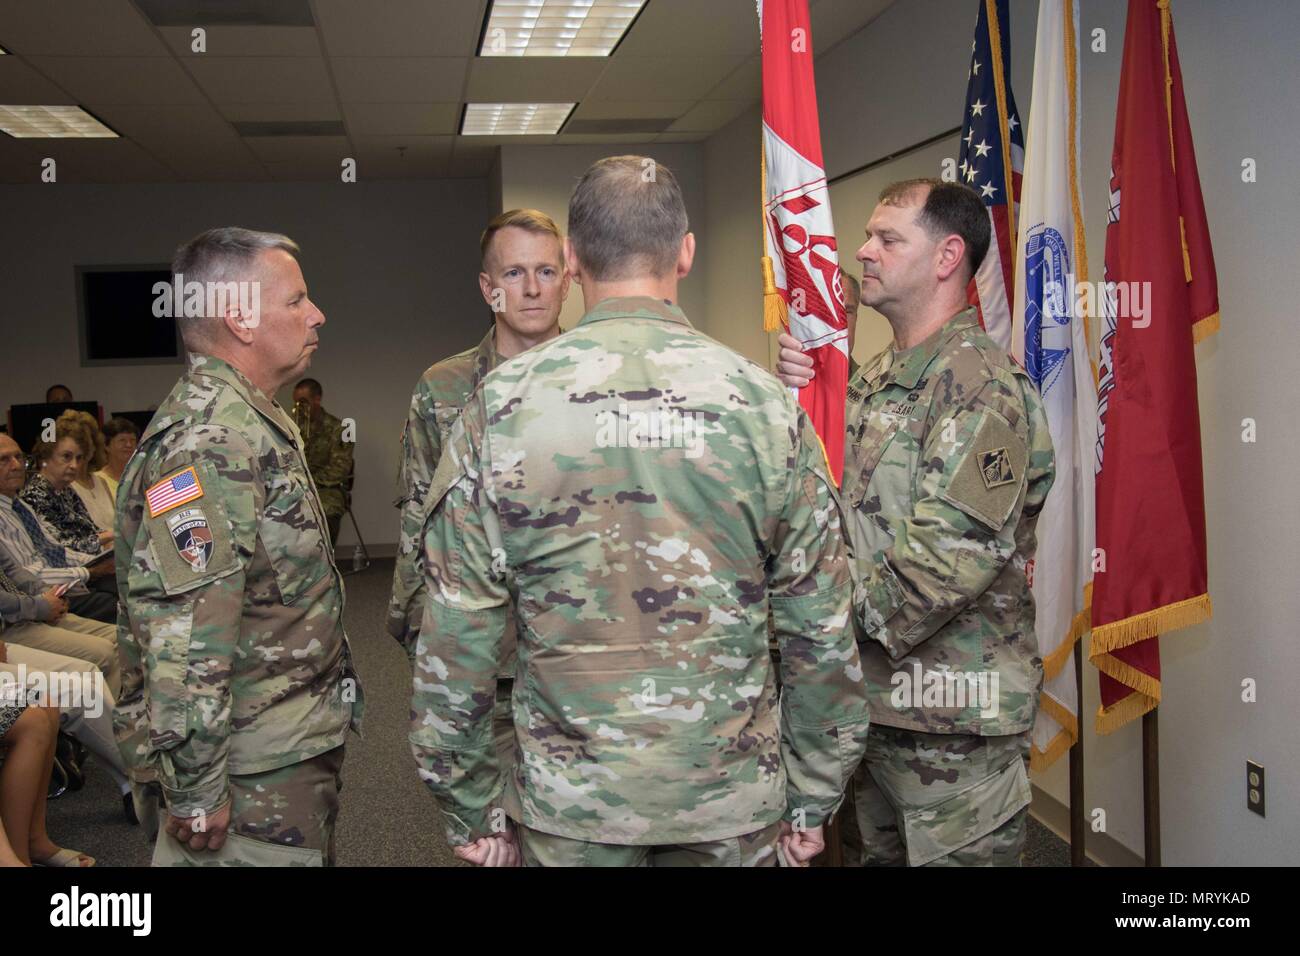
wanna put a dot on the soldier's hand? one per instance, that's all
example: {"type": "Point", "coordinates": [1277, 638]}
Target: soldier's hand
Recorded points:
{"type": "Point", "coordinates": [794, 367]}
{"type": "Point", "coordinates": [800, 846]}
{"type": "Point", "coordinates": [105, 539]}
{"type": "Point", "coordinates": [204, 832]}
{"type": "Point", "coordinates": [496, 850]}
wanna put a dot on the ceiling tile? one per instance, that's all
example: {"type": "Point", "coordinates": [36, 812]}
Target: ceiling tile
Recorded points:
{"type": "Point", "coordinates": [101, 161]}
{"type": "Point", "coordinates": [280, 112]}
{"type": "Point", "coordinates": [78, 28]}
{"type": "Point", "coordinates": [834, 20]}
{"type": "Point", "coordinates": [743, 83]}
{"type": "Point", "coordinates": [405, 28]}
{"type": "Point", "coordinates": [399, 79]}
{"type": "Point", "coordinates": [709, 115]}
{"type": "Point", "coordinates": [112, 80]}
{"type": "Point", "coordinates": [288, 149]}
{"type": "Point", "coordinates": [533, 79]}
{"type": "Point", "coordinates": [245, 41]}
{"type": "Point", "coordinates": [255, 79]}
{"type": "Point", "coordinates": [662, 77]}
{"type": "Point", "coordinates": [21, 85]}
{"type": "Point", "coordinates": [615, 109]}
{"type": "Point", "coordinates": [420, 119]}
{"type": "Point", "coordinates": [693, 27]}
{"type": "Point", "coordinates": [399, 157]}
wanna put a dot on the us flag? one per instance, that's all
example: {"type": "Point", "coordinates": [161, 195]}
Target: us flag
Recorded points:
{"type": "Point", "coordinates": [992, 158]}
{"type": "Point", "coordinates": [171, 492]}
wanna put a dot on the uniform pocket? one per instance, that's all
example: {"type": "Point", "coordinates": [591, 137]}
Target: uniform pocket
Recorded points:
{"type": "Point", "coordinates": [293, 538]}
{"type": "Point", "coordinates": [935, 831]}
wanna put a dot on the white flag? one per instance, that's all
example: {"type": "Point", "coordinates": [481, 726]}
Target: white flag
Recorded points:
{"type": "Point", "coordinates": [1049, 336]}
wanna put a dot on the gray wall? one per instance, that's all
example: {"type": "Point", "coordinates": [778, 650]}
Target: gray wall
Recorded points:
{"type": "Point", "coordinates": [392, 265]}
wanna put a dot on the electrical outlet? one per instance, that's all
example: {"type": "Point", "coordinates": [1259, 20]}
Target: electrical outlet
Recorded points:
{"type": "Point", "coordinates": [1255, 787]}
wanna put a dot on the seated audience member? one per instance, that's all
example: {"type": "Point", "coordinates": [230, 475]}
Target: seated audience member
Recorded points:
{"type": "Point", "coordinates": [28, 736]}
{"type": "Point", "coordinates": [120, 438]}
{"type": "Point", "coordinates": [49, 493]}
{"type": "Point", "coordinates": [25, 545]}
{"type": "Point", "coordinates": [58, 393]}
{"type": "Point", "coordinates": [93, 490]}
{"type": "Point", "coordinates": [39, 619]}
{"type": "Point", "coordinates": [86, 716]}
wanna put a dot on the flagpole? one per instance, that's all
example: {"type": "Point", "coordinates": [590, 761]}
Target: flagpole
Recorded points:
{"type": "Point", "coordinates": [1078, 829]}
{"type": "Point", "coordinates": [1151, 785]}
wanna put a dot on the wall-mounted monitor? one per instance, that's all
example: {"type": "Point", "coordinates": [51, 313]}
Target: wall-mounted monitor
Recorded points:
{"type": "Point", "coordinates": [115, 312]}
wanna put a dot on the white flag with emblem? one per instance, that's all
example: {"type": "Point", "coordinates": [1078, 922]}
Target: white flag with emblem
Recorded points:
{"type": "Point", "coordinates": [1049, 336]}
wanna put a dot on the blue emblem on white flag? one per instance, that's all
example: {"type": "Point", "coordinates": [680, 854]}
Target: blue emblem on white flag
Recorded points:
{"type": "Point", "coordinates": [1048, 294]}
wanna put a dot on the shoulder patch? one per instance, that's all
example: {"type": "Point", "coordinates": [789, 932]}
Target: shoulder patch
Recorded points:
{"type": "Point", "coordinates": [987, 478]}
{"type": "Point", "coordinates": [174, 491]}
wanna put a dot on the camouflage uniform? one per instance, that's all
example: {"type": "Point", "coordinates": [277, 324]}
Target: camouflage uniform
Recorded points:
{"type": "Point", "coordinates": [329, 459]}
{"type": "Point", "coordinates": [235, 664]}
{"type": "Point", "coordinates": [947, 464]}
{"type": "Point", "coordinates": [439, 397]}
{"type": "Point", "coordinates": [641, 558]}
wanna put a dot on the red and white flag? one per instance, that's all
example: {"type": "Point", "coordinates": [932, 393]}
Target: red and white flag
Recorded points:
{"type": "Point", "coordinates": [799, 235]}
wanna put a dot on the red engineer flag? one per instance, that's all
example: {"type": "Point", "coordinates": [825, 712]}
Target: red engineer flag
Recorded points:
{"type": "Point", "coordinates": [1161, 298]}
{"type": "Point", "coordinates": [799, 236]}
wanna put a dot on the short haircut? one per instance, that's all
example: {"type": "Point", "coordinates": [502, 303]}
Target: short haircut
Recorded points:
{"type": "Point", "coordinates": [54, 388]}
{"type": "Point", "coordinates": [224, 254]}
{"type": "Point", "coordinates": [530, 220]}
{"type": "Point", "coordinates": [312, 386]}
{"type": "Point", "coordinates": [948, 208]}
{"type": "Point", "coordinates": [627, 219]}
{"type": "Point", "coordinates": [847, 279]}
{"type": "Point", "coordinates": [117, 425]}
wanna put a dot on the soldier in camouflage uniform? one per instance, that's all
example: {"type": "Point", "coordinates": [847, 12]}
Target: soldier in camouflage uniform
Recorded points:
{"type": "Point", "coordinates": [328, 451]}
{"type": "Point", "coordinates": [948, 461]}
{"type": "Point", "coordinates": [524, 283]}
{"type": "Point", "coordinates": [238, 685]}
{"type": "Point", "coordinates": [641, 496]}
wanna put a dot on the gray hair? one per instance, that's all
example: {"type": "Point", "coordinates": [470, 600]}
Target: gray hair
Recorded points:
{"type": "Point", "coordinates": [627, 219]}
{"type": "Point", "coordinates": [224, 254]}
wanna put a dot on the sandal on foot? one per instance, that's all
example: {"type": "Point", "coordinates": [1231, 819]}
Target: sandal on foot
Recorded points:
{"type": "Point", "coordinates": [65, 857]}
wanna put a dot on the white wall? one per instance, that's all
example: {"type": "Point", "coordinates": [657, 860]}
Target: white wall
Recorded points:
{"type": "Point", "coordinates": [543, 177]}
{"type": "Point", "coordinates": [392, 265]}
{"type": "Point", "coordinates": [902, 80]}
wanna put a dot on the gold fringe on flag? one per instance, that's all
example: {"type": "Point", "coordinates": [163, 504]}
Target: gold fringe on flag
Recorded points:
{"type": "Point", "coordinates": [1149, 624]}
{"type": "Point", "coordinates": [775, 315]}
{"type": "Point", "coordinates": [1062, 742]}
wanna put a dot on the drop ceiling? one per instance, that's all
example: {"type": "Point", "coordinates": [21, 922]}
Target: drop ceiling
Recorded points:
{"type": "Point", "coordinates": [381, 81]}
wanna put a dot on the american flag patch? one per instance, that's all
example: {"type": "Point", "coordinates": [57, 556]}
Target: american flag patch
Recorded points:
{"type": "Point", "coordinates": [174, 491]}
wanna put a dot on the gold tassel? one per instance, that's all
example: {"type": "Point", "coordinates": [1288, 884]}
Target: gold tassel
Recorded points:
{"type": "Point", "coordinates": [775, 314]}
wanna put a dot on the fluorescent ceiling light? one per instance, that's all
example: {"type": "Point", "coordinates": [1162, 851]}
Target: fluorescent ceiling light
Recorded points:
{"type": "Point", "coordinates": [514, 119]}
{"type": "Point", "coordinates": [52, 122]}
{"type": "Point", "coordinates": [3, 51]}
{"type": "Point", "coordinates": [557, 27]}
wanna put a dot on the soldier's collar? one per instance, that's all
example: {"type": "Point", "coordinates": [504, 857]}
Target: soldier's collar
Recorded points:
{"type": "Point", "coordinates": [909, 365]}
{"type": "Point", "coordinates": [487, 354]}
{"type": "Point", "coordinates": [636, 307]}
{"type": "Point", "coordinates": [213, 367]}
